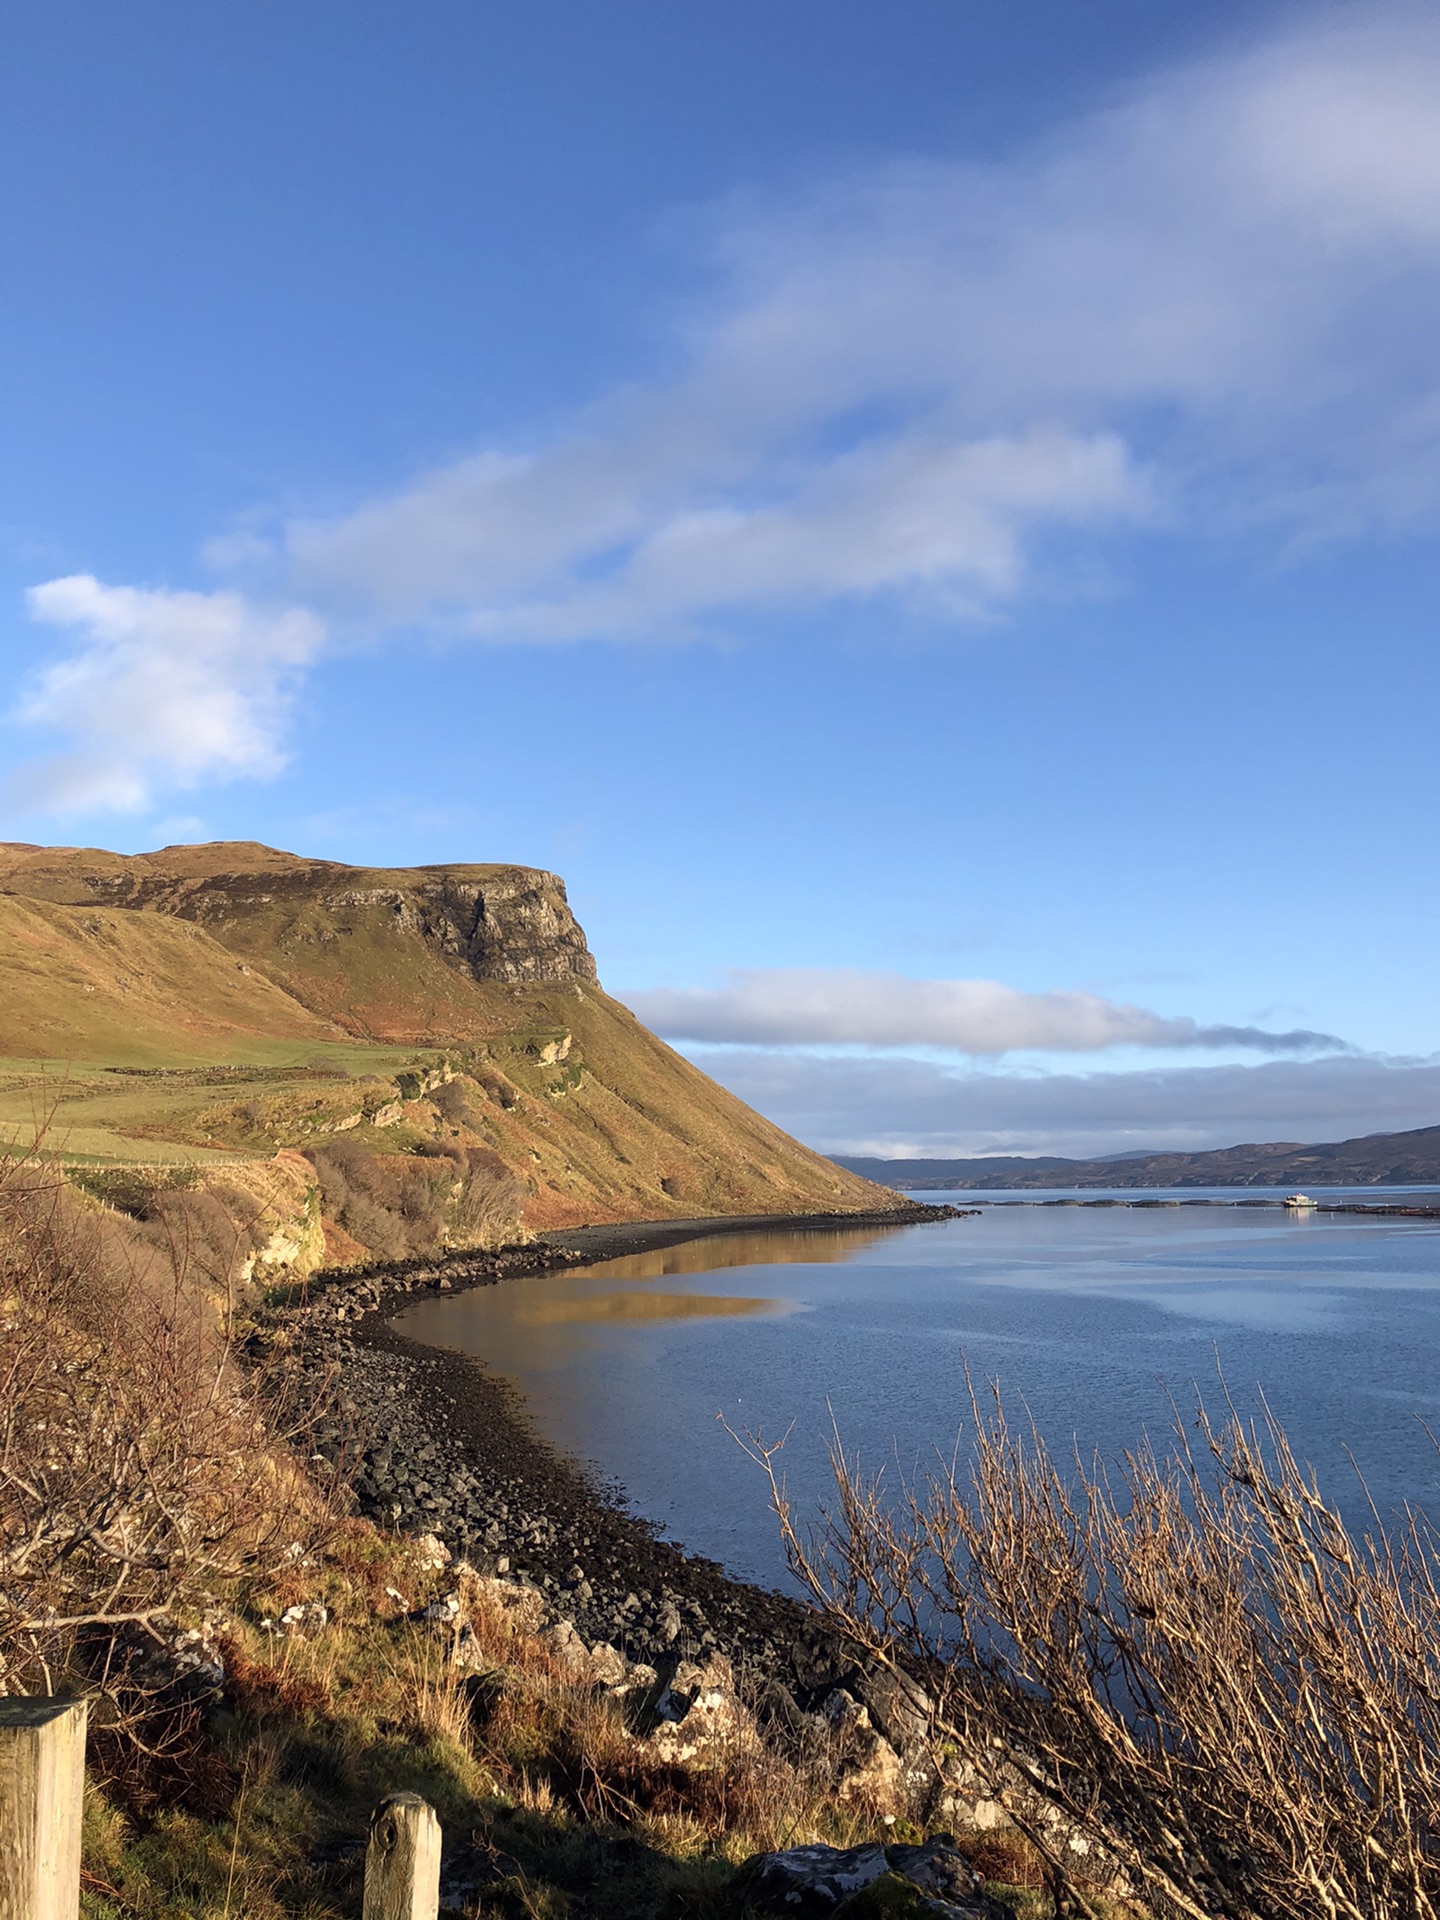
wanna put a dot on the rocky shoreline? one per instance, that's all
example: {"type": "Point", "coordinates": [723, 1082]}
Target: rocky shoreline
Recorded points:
{"type": "Point", "coordinates": [439, 1447]}
{"type": "Point", "coordinates": [436, 1443]}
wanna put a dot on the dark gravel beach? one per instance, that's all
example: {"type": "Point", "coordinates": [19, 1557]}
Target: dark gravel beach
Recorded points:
{"type": "Point", "coordinates": [440, 1444]}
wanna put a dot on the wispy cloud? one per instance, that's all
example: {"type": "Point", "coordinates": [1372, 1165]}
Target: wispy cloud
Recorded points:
{"type": "Point", "coordinates": [163, 690]}
{"type": "Point", "coordinates": [1213, 302]}
{"type": "Point", "coordinates": [897, 1106]}
{"type": "Point", "coordinates": [576, 543]}
{"type": "Point", "coordinates": [814, 1006]}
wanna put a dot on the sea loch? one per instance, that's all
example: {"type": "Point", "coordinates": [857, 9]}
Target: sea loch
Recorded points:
{"type": "Point", "coordinates": [1089, 1317]}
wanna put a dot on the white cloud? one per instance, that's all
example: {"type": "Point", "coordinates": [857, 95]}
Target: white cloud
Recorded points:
{"type": "Point", "coordinates": [165, 690]}
{"type": "Point", "coordinates": [900, 1108]}
{"type": "Point", "coordinates": [576, 544]}
{"type": "Point", "coordinates": [1215, 301]}
{"type": "Point", "coordinates": [814, 1006]}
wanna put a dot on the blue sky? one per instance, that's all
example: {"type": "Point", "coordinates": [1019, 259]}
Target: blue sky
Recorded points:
{"type": "Point", "coordinates": [924, 515]}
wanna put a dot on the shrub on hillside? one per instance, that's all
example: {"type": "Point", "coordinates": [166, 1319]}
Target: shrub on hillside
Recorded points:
{"type": "Point", "coordinates": [1189, 1657]}
{"type": "Point", "coordinates": [453, 1101]}
{"type": "Point", "coordinates": [137, 1465]}
{"type": "Point", "coordinates": [400, 1205]}
{"type": "Point", "coordinates": [393, 1204]}
{"type": "Point", "coordinates": [490, 1199]}
{"type": "Point", "coordinates": [209, 1231]}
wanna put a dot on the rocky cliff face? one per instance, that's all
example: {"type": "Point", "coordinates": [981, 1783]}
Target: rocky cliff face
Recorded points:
{"type": "Point", "coordinates": [503, 923]}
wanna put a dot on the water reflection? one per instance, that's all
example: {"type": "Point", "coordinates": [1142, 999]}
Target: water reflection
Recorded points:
{"type": "Point", "coordinates": [567, 1309]}
{"type": "Point", "coordinates": [548, 1322]}
{"type": "Point", "coordinates": [762, 1249]}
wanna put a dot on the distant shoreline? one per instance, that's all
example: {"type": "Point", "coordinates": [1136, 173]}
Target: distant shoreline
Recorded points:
{"type": "Point", "coordinates": [1380, 1210]}
{"type": "Point", "coordinates": [1409, 1159]}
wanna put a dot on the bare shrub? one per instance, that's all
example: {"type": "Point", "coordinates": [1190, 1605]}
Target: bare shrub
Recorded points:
{"type": "Point", "coordinates": [207, 1232]}
{"type": "Point", "coordinates": [452, 1100]}
{"type": "Point", "coordinates": [450, 1150]}
{"type": "Point", "coordinates": [205, 1237]}
{"type": "Point", "coordinates": [138, 1467]}
{"type": "Point", "coordinates": [1188, 1656]}
{"type": "Point", "coordinates": [490, 1200]}
{"type": "Point", "coordinates": [399, 1205]}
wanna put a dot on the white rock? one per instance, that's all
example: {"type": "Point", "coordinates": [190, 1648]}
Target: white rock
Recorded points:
{"type": "Point", "coordinates": [304, 1619]}
{"type": "Point", "coordinates": [198, 1658]}
{"type": "Point", "coordinates": [699, 1716]}
{"type": "Point", "coordinates": [522, 1607]}
{"type": "Point", "coordinates": [565, 1646]}
{"type": "Point", "coordinates": [609, 1668]}
{"type": "Point", "coordinates": [465, 1651]}
{"type": "Point", "coordinates": [820, 1879]}
{"type": "Point", "coordinates": [868, 1767]}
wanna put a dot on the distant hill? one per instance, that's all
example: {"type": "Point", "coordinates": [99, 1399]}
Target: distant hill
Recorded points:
{"type": "Point", "coordinates": [1372, 1160]}
{"type": "Point", "coordinates": [207, 1000]}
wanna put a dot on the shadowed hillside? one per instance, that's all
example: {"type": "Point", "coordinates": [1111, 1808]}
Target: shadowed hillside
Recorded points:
{"type": "Point", "coordinates": [429, 1010]}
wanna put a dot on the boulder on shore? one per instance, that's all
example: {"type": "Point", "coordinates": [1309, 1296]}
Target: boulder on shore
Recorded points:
{"type": "Point", "coordinates": [813, 1883]}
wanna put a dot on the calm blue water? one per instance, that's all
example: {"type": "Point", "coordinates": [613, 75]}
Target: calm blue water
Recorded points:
{"type": "Point", "coordinates": [1086, 1315]}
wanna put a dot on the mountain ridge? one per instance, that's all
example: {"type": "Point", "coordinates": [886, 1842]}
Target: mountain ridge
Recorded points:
{"type": "Point", "coordinates": [1408, 1158]}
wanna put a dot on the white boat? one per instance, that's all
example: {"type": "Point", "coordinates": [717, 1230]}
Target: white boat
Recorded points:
{"type": "Point", "coordinates": [1299, 1200]}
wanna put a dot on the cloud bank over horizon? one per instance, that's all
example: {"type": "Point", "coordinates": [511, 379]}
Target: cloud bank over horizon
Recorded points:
{"type": "Point", "coordinates": [899, 1108]}
{"type": "Point", "coordinates": [936, 385]}
{"type": "Point", "coordinates": [830, 1007]}
{"type": "Point", "coordinates": [832, 1056]}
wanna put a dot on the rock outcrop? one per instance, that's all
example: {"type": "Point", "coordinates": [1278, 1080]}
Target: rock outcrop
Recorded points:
{"type": "Point", "coordinates": [497, 922]}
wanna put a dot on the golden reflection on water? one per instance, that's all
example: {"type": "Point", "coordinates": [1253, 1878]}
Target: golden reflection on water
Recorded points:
{"type": "Point", "coordinates": [719, 1250]}
{"type": "Point", "coordinates": [549, 1321]}
{"type": "Point", "coordinates": [545, 1310]}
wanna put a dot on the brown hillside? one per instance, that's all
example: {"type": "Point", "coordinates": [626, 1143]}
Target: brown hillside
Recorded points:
{"type": "Point", "coordinates": [482, 964]}
{"type": "Point", "coordinates": [387, 953]}
{"type": "Point", "coordinates": [94, 983]}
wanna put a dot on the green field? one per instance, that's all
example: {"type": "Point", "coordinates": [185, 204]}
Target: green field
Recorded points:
{"type": "Point", "coordinates": [95, 1111]}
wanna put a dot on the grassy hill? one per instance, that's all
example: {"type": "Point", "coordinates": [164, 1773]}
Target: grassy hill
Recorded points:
{"type": "Point", "coordinates": [385, 953]}
{"type": "Point", "coordinates": [234, 1001]}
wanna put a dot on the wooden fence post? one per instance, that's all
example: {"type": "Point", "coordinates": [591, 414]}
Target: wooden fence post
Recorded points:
{"type": "Point", "coordinates": [402, 1861]}
{"type": "Point", "coordinates": [42, 1805]}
